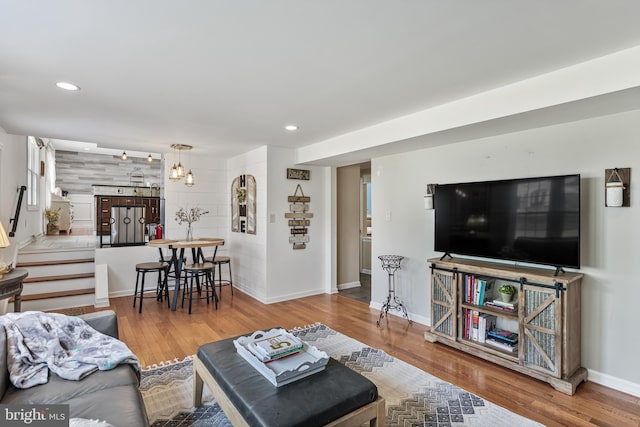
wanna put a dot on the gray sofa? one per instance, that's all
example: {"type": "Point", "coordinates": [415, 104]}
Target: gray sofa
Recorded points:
{"type": "Point", "coordinates": [110, 396]}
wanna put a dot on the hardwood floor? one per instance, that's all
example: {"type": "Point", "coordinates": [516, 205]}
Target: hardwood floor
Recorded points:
{"type": "Point", "coordinates": [158, 335]}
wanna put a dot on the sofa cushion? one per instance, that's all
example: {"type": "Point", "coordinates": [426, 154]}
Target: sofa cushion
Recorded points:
{"type": "Point", "coordinates": [119, 406]}
{"type": "Point", "coordinates": [58, 390]}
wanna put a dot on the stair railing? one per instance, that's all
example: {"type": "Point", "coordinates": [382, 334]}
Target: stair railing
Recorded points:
{"type": "Point", "coordinates": [14, 220]}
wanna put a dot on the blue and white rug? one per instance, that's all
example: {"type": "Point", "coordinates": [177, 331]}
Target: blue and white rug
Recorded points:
{"type": "Point", "coordinates": [413, 397]}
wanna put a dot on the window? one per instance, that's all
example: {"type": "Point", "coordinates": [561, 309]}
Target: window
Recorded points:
{"type": "Point", "coordinates": [33, 173]}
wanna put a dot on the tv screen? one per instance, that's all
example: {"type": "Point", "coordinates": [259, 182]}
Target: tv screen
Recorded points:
{"type": "Point", "coordinates": [534, 220]}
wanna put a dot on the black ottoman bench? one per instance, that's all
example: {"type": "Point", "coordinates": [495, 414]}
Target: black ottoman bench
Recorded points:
{"type": "Point", "coordinates": [336, 396]}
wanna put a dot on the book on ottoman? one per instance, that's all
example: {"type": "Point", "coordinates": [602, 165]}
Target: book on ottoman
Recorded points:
{"type": "Point", "coordinates": [274, 347]}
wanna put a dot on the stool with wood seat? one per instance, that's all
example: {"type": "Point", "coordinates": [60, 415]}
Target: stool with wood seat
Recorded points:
{"type": "Point", "coordinates": [218, 261]}
{"type": "Point", "coordinates": [197, 271]}
{"type": "Point", "coordinates": [162, 288]}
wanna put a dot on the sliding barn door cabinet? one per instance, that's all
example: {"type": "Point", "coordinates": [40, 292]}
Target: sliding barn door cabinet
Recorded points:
{"type": "Point", "coordinates": [545, 316]}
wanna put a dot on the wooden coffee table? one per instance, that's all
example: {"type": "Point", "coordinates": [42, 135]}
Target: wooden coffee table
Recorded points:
{"type": "Point", "coordinates": [336, 396]}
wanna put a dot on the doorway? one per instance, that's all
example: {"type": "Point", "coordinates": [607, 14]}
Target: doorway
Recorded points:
{"type": "Point", "coordinates": [354, 231]}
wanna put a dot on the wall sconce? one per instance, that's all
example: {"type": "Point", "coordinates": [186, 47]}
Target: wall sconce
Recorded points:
{"type": "Point", "coordinates": [617, 187]}
{"type": "Point", "coordinates": [428, 196]}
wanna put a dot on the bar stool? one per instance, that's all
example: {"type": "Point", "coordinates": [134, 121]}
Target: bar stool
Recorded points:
{"type": "Point", "coordinates": [197, 271]}
{"type": "Point", "coordinates": [218, 261]}
{"type": "Point", "coordinates": [162, 288]}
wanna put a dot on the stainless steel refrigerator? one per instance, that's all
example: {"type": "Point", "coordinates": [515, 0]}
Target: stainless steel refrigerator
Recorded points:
{"type": "Point", "coordinates": [127, 225]}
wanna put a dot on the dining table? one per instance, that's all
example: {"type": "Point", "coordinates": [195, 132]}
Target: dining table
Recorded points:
{"type": "Point", "coordinates": [177, 248]}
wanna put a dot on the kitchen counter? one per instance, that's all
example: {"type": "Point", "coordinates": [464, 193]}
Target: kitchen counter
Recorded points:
{"type": "Point", "coordinates": [125, 190]}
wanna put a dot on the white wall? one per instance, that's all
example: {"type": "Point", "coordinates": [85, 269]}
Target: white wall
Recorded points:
{"type": "Point", "coordinates": [121, 268]}
{"type": "Point", "coordinates": [301, 272]}
{"type": "Point", "coordinates": [610, 237]}
{"type": "Point", "coordinates": [13, 174]}
{"type": "Point", "coordinates": [210, 193]}
{"type": "Point", "coordinates": [249, 251]}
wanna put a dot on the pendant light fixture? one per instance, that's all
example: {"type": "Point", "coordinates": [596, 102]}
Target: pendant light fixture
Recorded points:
{"type": "Point", "coordinates": [124, 155]}
{"type": "Point", "coordinates": [188, 180]}
{"type": "Point", "coordinates": [150, 158]}
{"type": "Point", "coordinates": [177, 171]}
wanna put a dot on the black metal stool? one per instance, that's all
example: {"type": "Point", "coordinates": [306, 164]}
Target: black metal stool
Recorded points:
{"type": "Point", "coordinates": [162, 288]}
{"type": "Point", "coordinates": [391, 263]}
{"type": "Point", "coordinates": [219, 261]}
{"type": "Point", "coordinates": [197, 271]}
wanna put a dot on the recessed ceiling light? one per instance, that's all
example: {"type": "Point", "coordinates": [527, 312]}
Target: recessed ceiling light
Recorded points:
{"type": "Point", "coordinates": [291, 128]}
{"type": "Point", "coordinates": [67, 86]}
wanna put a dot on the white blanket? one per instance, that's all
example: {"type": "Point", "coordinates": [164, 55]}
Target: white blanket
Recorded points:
{"type": "Point", "coordinates": [38, 342]}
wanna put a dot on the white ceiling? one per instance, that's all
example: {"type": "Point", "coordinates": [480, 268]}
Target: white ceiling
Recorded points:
{"type": "Point", "coordinates": [227, 76]}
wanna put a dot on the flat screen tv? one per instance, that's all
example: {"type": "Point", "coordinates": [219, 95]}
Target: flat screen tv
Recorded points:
{"type": "Point", "coordinates": [533, 220]}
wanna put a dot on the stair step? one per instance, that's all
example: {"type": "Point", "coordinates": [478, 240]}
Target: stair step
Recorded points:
{"type": "Point", "coordinates": [44, 263]}
{"type": "Point", "coordinates": [56, 278]}
{"type": "Point", "coordinates": [53, 269]}
{"type": "Point", "coordinates": [63, 302]}
{"type": "Point", "coordinates": [54, 255]}
{"type": "Point", "coordinates": [50, 295]}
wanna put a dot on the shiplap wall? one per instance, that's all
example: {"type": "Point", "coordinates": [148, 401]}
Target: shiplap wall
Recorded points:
{"type": "Point", "coordinates": [77, 172]}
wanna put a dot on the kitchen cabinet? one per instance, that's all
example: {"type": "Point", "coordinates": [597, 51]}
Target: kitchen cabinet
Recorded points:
{"type": "Point", "coordinates": [104, 205]}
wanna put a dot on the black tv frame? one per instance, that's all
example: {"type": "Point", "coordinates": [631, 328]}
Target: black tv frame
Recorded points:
{"type": "Point", "coordinates": [496, 184]}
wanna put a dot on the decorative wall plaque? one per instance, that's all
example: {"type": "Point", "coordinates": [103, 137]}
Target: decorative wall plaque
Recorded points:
{"type": "Point", "coordinates": [304, 174]}
{"type": "Point", "coordinates": [299, 218]}
{"type": "Point", "coordinates": [243, 204]}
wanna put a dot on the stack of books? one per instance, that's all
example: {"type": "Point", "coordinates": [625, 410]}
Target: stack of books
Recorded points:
{"type": "Point", "coordinates": [502, 339]}
{"type": "Point", "coordinates": [501, 305]}
{"type": "Point", "coordinates": [279, 356]}
{"type": "Point", "coordinates": [275, 347]}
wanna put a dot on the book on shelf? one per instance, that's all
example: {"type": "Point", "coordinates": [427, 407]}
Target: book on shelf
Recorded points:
{"type": "Point", "coordinates": [475, 316]}
{"type": "Point", "coordinates": [275, 347]}
{"type": "Point", "coordinates": [502, 345]}
{"type": "Point", "coordinates": [486, 322]}
{"type": "Point", "coordinates": [477, 290]}
{"type": "Point", "coordinates": [503, 335]}
{"type": "Point", "coordinates": [511, 309]}
{"type": "Point", "coordinates": [501, 303]}
{"type": "Point", "coordinates": [485, 290]}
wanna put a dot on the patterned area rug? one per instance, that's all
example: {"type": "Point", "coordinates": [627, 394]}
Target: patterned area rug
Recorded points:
{"type": "Point", "coordinates": [413, 397]}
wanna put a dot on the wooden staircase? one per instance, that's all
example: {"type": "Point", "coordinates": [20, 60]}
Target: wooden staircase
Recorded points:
{"type": "Point", "coordinates": [57, 279]}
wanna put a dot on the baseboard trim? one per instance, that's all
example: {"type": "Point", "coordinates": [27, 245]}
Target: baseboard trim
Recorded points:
{"type": "Point", "coordinates": [614, 382]}
{"type": "Point", "coordinates": [350, 285]}
{"type": "Point", "coordinates": [414, 317]}
{"type": "Point", "coordinates": [295, 296]}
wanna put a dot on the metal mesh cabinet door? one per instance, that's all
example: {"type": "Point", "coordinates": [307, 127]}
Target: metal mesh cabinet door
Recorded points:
{"type": "Point", "coordinates": [541, 330]}
{"type": "Point", "coordinates": [443, 303]}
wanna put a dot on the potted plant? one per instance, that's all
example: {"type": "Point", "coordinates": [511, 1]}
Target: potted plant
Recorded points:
{"type": "Point", "coordinates": [506, 292]}
{"type": "Point", "coordinates": [53, 216]}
